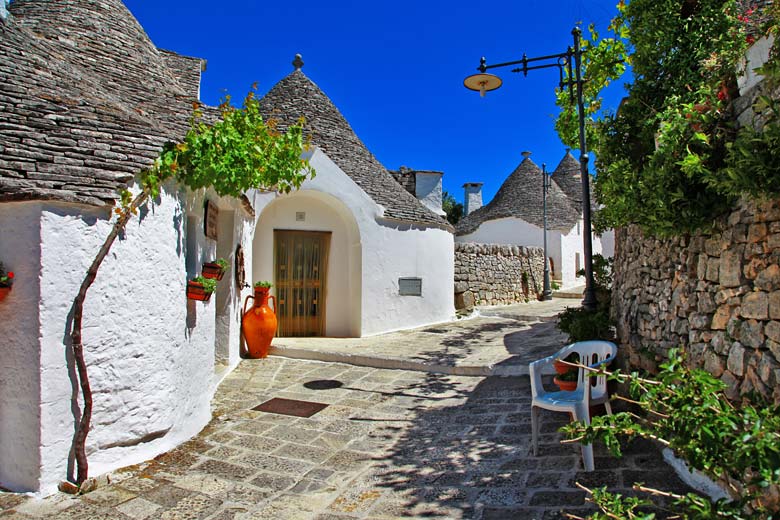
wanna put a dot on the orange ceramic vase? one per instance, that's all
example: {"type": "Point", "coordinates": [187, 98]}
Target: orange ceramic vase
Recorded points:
{"type": "Point", "coordinates": [259, 323]}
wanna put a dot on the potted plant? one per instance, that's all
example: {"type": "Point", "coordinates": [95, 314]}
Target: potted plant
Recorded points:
{"type": "Point", "coordinates": [216, 269]}
{"type": "Point", "coordinates": [561, 367]}
{"type": "Point", "coordinates": [201, 288]}
{"type": "Point", "coordinates": [6, 282]}
{"type": "Point", "coordinates": [568, 380]}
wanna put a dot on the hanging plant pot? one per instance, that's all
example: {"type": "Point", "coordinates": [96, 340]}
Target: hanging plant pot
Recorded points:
{"type": "Point", "coordinates": [195, 291]}
{"type": "Point", "coordinates": [4, 292]}
{"type": "Point", "coordinates": [213, 270]}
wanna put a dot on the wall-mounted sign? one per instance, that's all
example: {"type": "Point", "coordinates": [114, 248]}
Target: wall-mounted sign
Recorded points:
{"type": "Point", "coordinates": [239, 268]}
{"type": "Point", "coordinates": [300, 216]}
{"type": "Point", "coordinates": [210, 220]}
{"type": "Point", "coordinates": [410, 286]}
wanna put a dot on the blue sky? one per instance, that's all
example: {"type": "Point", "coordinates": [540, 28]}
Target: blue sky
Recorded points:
{"type": "Point", "coordinates": [395, 70]}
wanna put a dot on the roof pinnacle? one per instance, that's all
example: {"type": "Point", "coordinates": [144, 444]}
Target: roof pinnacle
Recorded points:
{"type": "Point", "coordinates": [298, 62]}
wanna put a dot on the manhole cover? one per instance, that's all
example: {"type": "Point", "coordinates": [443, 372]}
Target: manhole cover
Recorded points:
{"type": "Point", "coordinates": [323, 384]}
{"type": "Point", "coordinates": [290, 407]}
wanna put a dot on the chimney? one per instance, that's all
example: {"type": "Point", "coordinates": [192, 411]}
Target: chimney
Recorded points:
{"type": "Point", "coordinates": [428, 190]}
{"type": "Point", "coordinates": [472, 199]}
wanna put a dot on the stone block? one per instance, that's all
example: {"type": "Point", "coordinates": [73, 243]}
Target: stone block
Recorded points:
{"type": "Point", "coordinates": [461, 287]}
{"type": "Point", "coordinates": [755, 305]}
{"type": "Point", "coordinates": [712, 247]}
{"type": "Point", "coordinates": [772, 331]}
{"type": "Point", "coordinates": [752, 333]}
{"type": "Point", "coordinates": [697, 322]}
{"type": "Point", "coordinates": [774, 305]}
{"type": "Point", "coordinates": [774, 348]}
{"type": "Point", "coordinates": [730, 274]}
{"type": "Point", "coordinates": [756, 233]}
{"type": "Point", "coordinates": [713, 363]}
{"type": "Point", "coordinates": [732, 385]}
{"type": "Point", "coordinates": [768, 279]}
{"type": "Point", "coordinates": [721, 318]}
{"type": "Point", "coordinates": [737, 359]}
{"type": "Point", "coordinates": [713, 267]}
{"type": "Point", "coordinates": [705, 303]}
{"type": "Point", "coordinates": [753, 268]}
{"type": "Point", "coordinates": [701, 266]}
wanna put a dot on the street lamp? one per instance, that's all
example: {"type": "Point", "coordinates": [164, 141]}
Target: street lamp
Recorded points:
{"type": "Point", "coordinates": [571, 61]}
{"type": "Point", "coordinates": [546, 292]}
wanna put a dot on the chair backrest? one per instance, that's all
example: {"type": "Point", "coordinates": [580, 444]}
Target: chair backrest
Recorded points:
{"type": "Point", "coordinates": [591, 353]}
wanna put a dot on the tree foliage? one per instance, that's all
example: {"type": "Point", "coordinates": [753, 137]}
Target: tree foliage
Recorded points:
{"type": "Point", "coordinates": [451, 207]}
{"type": "Point", "coordinates": [666, 160]}
{"type": "Point", "coordinates": [686, 410]}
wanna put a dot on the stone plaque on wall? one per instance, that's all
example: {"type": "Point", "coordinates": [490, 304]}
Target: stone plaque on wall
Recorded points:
{"type": "Point", "coordinates": [410, 286]}
{"type": "Point", "coordinates": [210, 220]}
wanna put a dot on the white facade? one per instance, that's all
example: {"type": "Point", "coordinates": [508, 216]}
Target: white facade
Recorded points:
{"type": "Point", "coordinates": [368, 255]}
{"type": "Point", "coordinates": [151, 353]}
{"type": "Point", "coordinates": [564, 250]}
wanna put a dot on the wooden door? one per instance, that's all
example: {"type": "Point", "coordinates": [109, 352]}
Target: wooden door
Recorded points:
{"type": "Point", "coordinates": [300, 267]}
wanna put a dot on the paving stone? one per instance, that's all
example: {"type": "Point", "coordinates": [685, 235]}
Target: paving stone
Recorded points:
{"type": "Point", "coordinates": [272, 481]}
{"type": "Point", "coordinates": [225, 469]}
{"type": "Point", "coordinates": [167, 496]}
{"type": "Point", "coordinates": [139, 509]}
{"type": "Point", "coordinates": [558, 498]}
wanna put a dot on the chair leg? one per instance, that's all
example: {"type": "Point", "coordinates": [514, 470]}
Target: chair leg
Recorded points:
{"type": "Point", "coordinates": [535, 429]}
{"type": "Point", "coordinates": [608, 407]}
{"type": "Point", "coordinates": [587, 449]}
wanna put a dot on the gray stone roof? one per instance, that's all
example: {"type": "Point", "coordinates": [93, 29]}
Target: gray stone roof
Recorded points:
{"type": "Point", "coordinates": [186, 69]}
{"type": "Point", "coordinates": [567, 175]}
{"type": "Point", "coordinates": [295, 96]}
{"type": "Point", "coordinates": [521, 197]}
{"type": "Point", "coordinates": [86, 101]}
{"type": "Point", "coordinates": [569, 178]}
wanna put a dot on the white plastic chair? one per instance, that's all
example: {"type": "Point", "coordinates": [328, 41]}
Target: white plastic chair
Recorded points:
{"type": "Point", "coordinates": [590, 390]}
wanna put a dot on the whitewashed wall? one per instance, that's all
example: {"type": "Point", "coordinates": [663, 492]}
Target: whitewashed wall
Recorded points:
{"type": "Point", "coordinates": [150, 351]}
{"type": "Point", "coordinates": [20, 349]}
{"type": "Point", "coordinates": [368, 255]}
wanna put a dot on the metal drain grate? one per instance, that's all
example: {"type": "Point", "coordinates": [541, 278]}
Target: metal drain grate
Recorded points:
{"type": "Point", "coordinates": [292, 407]}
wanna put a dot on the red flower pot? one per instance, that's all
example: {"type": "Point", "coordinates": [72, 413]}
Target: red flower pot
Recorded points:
{"type": "Point", "coordinates": [195, 292]}
{"type": "Point", "coordinates": [566, 386]}
{"type": "Point", "coordinates": [4, 292]}
{"type": "Point", "coordinates": [212, 270]}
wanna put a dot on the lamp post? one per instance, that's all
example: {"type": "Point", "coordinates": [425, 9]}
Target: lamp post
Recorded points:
{"type": "Point", "coordinates": [546, 292]}
{"type": "Point", "coordinates": [571, 62]}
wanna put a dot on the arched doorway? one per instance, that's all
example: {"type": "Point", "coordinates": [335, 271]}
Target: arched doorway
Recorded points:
{"type": "Point", "coordinates": [308, 245]}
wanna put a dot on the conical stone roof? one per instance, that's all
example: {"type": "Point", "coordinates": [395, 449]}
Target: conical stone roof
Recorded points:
{"type": "Point", "coordinates": [295, 96]}
{"type": "Point", "coordinates": [87, 101]}
{"type": "Point", "coordinates": [521, 197]}
{"type": "Point", "coordinates": [568, 177]}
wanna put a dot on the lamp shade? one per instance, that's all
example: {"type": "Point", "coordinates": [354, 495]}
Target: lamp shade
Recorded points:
{"type": "Point", "coordinates": [482, 82]}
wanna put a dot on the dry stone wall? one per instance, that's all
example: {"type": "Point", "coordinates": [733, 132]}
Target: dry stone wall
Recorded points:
{"type": "Point", "coordinates": [493, 274]}
{"type": "Point", "coordinates": [717, 293]}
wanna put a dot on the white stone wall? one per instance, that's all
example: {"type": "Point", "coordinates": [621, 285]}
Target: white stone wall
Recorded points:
{"type": "Point", "coordinates": [150, 351]}
{"type": "Point", "coordinates": [20, 351]}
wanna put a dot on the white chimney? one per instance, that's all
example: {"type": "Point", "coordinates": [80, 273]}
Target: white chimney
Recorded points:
{"type": "Point", "coordinates": [428, 190]}
{"type": "Point", "coordinates": [472, 199]}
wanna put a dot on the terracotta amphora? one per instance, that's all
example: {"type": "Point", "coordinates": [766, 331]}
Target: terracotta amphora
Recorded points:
{"type": "Point", "coordinates": [259, 323]}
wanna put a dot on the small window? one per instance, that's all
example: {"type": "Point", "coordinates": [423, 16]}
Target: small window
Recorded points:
{"type": "Point", "coordinates": [410, 286]}
{"type": "Point", "coordinates": [577, 265]}
{"type": "Point", "coordinates": [579, 231]}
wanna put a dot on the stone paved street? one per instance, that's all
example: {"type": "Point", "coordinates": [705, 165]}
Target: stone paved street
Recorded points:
{"type": "Point", "coordinates": [391, 444]}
